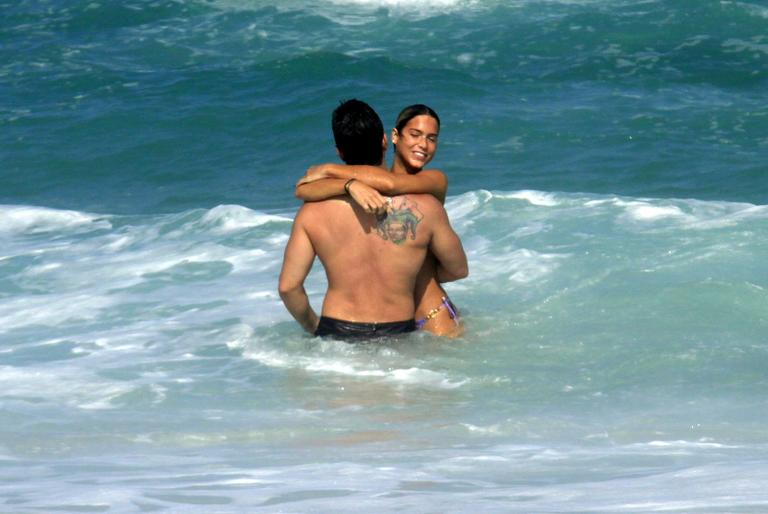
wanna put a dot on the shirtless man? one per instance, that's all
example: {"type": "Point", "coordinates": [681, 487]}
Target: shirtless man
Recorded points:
{"type": "Point", "coordinates": [371, 261]}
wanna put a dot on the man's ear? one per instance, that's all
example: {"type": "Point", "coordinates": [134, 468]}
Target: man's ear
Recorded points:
{"type": "Point", "coordinates": [384, 143]}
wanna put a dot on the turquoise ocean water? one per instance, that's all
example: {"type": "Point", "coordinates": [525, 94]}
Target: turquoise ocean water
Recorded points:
{"type": "Point", "coordinates": [608, 166]}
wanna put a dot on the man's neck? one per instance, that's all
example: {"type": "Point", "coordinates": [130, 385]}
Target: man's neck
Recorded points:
{"type": "Point", "coordinates": [382, 165]}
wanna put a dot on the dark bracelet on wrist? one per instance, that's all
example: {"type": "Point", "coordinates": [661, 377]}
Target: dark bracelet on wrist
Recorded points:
{"type": "Point", "coordinates": [346, 185]}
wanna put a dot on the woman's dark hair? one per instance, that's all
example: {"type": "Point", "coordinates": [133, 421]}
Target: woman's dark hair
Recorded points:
{"type": "Point", "coordinates": [411, 112]}
{"type": "Point", "coordinates": [358, 131]}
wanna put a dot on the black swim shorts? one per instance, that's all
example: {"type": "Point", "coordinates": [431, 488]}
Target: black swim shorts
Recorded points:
{"type": "Point", "coordinates": [353, 330]}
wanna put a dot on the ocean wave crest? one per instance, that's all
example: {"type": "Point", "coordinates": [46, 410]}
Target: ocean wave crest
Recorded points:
{"type": "Point", "coordinates": [17, 220]}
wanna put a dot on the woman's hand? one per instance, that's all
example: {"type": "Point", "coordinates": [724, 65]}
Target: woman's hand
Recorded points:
{"type": "Point", "coordinates": [368, 198]}
{"type": "Point", "coordinates": [317, 172]}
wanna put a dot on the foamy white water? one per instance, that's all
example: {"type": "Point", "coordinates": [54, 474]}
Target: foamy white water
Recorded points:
{"type": "Point", "coordinates": [613, 362]}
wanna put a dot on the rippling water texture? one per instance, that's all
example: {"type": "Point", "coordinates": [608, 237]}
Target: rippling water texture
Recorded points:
{"type": "Point", "coordinates": [170, 105]}
{"type": "Point", "coordinates": [607, 166]}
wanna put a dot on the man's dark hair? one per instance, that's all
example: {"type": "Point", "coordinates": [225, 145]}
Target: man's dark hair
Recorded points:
{"type": "Point", "coordinates": [358, 131]}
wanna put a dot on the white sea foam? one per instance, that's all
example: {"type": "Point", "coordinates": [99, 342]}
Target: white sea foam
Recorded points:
{"type": "Point", "coordinates": [108, 273]}
{"type": "Point", "coordinates": [449, 480]}
{"type": "Point", "coordinates": [682, 444]}
{"type": "Point", "coordinates": [463, 208]}
{"type": "Point", "coordinates": [678, 213]}
{"type": "Point", "coordinates": [491, 429]}
{"type": "Point", "coordinates": [739, 45]}
{"type": "Point", "coordinates": [51, 311]}
{"type": "Point", "coordinates": [43, 269]}
{"type": "Point", "coordinates": [355, 12]}
{"type": "Point", "coordinates": [150, 313]}
{"type": "Point", "coordinates": [60, 385]}
{"type": "Point", "coordinates": [408, 4]}
{"type": "Point", "coordinates": [642, 211]}
{"type": "Point", "coordinates": [231, 218]}
{"type": "Point", "coordinates": [348, 367]}
{"type": "Point", "coordinates": [490, 263]}
{"type": "Point", "coordinates": [538, 198]}
{"type": "Point", "coordinates": [753, 9]}
{"type": "Point", "coordinates": [424, 377]}
{"type": "Point", "coordinates": [34, 220]}
{"type": "Point", "coordinates": [714, 215]}
{"type": "Point", "coordinates": [341, 358]}
{"type": "Point", "coordinates": [424, 8]}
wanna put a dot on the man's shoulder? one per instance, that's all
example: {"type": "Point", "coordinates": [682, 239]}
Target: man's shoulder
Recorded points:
{"type": "Point", "coordinates": [422, 209]}
{"type": "Point", "coordinates": [311, 210]}
{"type": "Point", "coordinates": [423, 201]}
{"type": "Point", "coordinates": [329, 203]}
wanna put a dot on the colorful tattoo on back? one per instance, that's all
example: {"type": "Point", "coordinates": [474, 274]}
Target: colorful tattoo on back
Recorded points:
{"type": "Point", "coordinates": [400, 221]}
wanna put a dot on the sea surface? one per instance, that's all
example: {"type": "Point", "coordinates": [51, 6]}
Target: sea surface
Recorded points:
{"type": "Point", "coordinates": [608, 168]}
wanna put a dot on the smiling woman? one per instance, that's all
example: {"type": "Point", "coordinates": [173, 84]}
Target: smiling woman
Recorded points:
{"type": "Point", "coordinates": [416, 129]}
{"type": "Point", "coordinates": [415, 139]}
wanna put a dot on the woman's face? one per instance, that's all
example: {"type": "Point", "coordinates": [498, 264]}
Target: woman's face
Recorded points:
{"type": "Point", "coordinates": [416, 143]}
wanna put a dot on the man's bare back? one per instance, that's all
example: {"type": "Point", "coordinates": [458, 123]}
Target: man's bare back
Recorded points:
{"type": "Point", "coordinates": [372, 262]}
{"type": "Point", "coordinates": [370, 278]}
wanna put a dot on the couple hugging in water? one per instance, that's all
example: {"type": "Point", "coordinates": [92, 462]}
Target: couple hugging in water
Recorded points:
{"type": "Point", "coordinates": [384, 256]}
